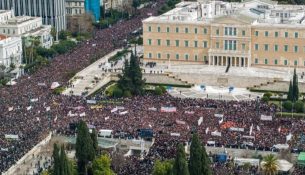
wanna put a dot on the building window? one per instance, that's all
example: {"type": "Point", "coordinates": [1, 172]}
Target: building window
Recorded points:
{"type": "Point", "coordinates": [276, 48]}
{"type": "Point", "coordinates": [230, 45]}
{"type": "Point", "coordinates": [186, 43]}
{"type": "Point", "coordinates": [296, 35]}
{"type": "Point", "coordinates": [149, 55]}
{"type": "Point", "coordinates": [177, 29]}
{"type": "Point", "coordinates": [196, 57]}
{"type": "Point", "coordinates": [244, 33]}
{"type": "Point", "coordinates": [195, 43]}
{"type": "Point", "coordinates": [177, 43]}
{"type": "Point", "coordinates": [286, 34]}
{"type": "Point", "coordinates": [266, 33]}
{"type": "Point", "coordinates": [205, 44]}
{"type": "Point", "coordinates": [205, 31]}
{"type": "Point", "coordinates": [149, 41]}
{"type": "Point", "coordinates": [195, 30]}
{"type": "Point", "coordinates": [167, 29]}
{"type": "Point", "coordinates": [186, 30]}
{"type": "Point", "coordinates": [177, 56]}
{"type": "Point", "coordinates": [243, 46]}
{"type": "Point", "coordinates": [159, 29]}
{"type": "Point", "coordinates": [266, 61]}
{"type": "Point", "coordinates": [276, 34]}
{"type": "Point", "coordinates": [256, 46]}
{"type": "Point", "coordinates": [159, 42]}
{"type": "Point", "coordinates": [205, 58]}
{"type": "Point", "coordinates": [230, 31]}
{"type": "Point", "coordinates": [275, 61]}
{"type": "Point", "coordinates": [286, 48]}
{"type": "Point", "coordinates": [168, 56]}
{"type": "Point", "coordinates": [217, 31]}
{"type": "Point", "coordinates": [295, 62]}
{"type": "Point", "coordinates": [256, 60]}
{"type": "Point", "coordinates": [266, 47]}
{"type": "Point", "coordinates": [217, 45]}
{"type": "Point", "coordinates": [168, 42]}
{"type": "Point", "coordinates": [256, 33]}
{"type": "Point", "coordinates": [186, 57]}
{"type": "Point", "coordinates": [159, 55]}
{"type": "Point", "coordinates": [285, 62]}
{"type": "Point", "coordinates": [296, 49]}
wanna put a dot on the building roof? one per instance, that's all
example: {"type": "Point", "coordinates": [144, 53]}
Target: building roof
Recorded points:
{"type": "Point", "coordinates": [254, 12]}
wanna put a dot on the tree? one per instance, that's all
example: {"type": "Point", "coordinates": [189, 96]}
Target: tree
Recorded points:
{"type": "Point", "coordinates": [269, 165]}
{"type": "Point", "coordinates": [158, 91]}
{"type": "Point", "coordinates": [84, 148]}
{"type": "Point", "coordinates": [180, 164]}
{"type": "Point", "coordinates": [287, 105]}
{"type": "Point", "coordinates": [162, 168]}
{"type": "Point", "coordinates": [94, 140]}
{"type": "Point", "coordinates": [101, 165]}
{"type": "Point", "coordinates": [56, 159]}
{"type": "Point", "coordinates": [299, 106]}
{"type": "Point", "coordinates": [295, 86]}
{"type": "Point", "coordinates": [125, 82]}
{"type": "Point", "coordinates": [199, 162]}
{"type": "Point", "coordinates": [290, 92]}
{"type": "Point", "coordinates": [136, 75]}
{"type": "Point", "coordinates": [135, 4]}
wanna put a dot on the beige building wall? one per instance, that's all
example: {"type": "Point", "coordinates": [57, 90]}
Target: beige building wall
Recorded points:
{"type": "Point", "coordinates": [272, 46]}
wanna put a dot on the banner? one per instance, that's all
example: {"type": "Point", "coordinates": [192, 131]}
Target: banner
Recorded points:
{"type": "Point", "coordinates": [152, 109]}
{"type": "Point", "coordinates": [237, 129]}
{"type": "Point", "coordinates": [248, 137]}
{"type": "Point", "coordinates": [82, 114]}
{"type": "Point", "coordinates": [55, 85]}
{"type": "Point", "coordinates": [168, 109]}
{"type": "Point", "coordinates": [10, 109]}
{"type": "Point", "coordinates": [200, 121]}
{"type": "Point", "coordinates": [91, 102]}
{"type": "Point", "coordinates": [11, 136]}
{"type": "Point", "coordinates": [266, 117]}
{"type": "Point", "coordinates": [207, 130]}
{"type": "Point", "coordinates": [180, 122]}
{"type": "Point", "coordinates": [211, 142]}
{"type": "Point", "coordinates": [34, 100]}
{"type": "Point", "coordinates": [48, 108]}
{"type": "Point", "coordinates": [29, 108]}
{"type": "Point", "coordinates": [120, 107]}
{"type": "Point", "coordinates": [123, 113]}
{"type": "Point", "coordinates": [218, 115]}
{"type": "Point", "coordinates": [288, 137]}
{"type": "Point", "coordinates": [41, 84]}
{"type": "Point", "coordinates": [4, 149]}
{"type": "Point", "coordinates": [175, 134]}
{"type": "Point", "coordinates": [114, 110]}
{"type": "Point", "coordinates": [251, 129]}
{"type": "Point", "coordinates": [70, 114]}
{"type": "Point", "coordinates": [189, 112]}
{"type": "Point", "coordinates": [107, 118]}
{"type": "Point", "coordinates": [216, 133]}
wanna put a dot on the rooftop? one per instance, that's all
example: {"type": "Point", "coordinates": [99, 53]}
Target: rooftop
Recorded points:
{"type": "Point", "coordinates": [254, 12]}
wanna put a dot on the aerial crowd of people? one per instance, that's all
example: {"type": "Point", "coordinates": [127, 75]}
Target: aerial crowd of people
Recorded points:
{"type": "Point", "coordinates": [30, 110]}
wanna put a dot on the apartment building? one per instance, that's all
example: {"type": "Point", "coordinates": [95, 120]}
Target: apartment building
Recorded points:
{"type": "Point", "coordinates": [216, 33]}
{"type": "Point", "coordinates": [75, 7]}
{"type": "Point", "coordinates": [25, 26]}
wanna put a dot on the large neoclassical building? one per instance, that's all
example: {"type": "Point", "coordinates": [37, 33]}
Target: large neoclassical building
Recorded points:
{"type": "Point", "coordinates": [250, 33]}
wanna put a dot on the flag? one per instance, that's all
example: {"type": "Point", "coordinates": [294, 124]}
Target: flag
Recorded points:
{"type": "Point", "coordinates": [82, 114]}
{"type": "Point", "coordinates": [288, 137]}
{"type": "Point", "coordinates": [114, 110]}
{"type": "Point", "coordinates": [180, 122]}
{"type": "Point", "coordinates": [251, 129]}
{"type": "Point", "coordinates": [207, 130]}
{"type": "Point", "coordinates": [29, 108]}
{"type": "Point", "coordinates": [34, 100]}
{"type": "Point", "coordinates": [168, 109]}
{"type": "Point", "coordinates": [106, 118]}
{"type": "Point", "coordinates": [258, 128]}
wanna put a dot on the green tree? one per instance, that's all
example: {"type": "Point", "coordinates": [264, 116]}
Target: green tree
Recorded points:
{"type": "Point", "coordinates": [295, 86]}
{"type": "Point", "coordinates": [290, 92]}
{"type": "Point", "coordinates": [56, 159]}
{"type": "Point", "coordinates": [94, 140]}
{"type": "Point", "coordinates": [125, 82]}
{"type": "Point", "coordinates": [299, 106]}
{"type": "Point", "coordinates": [199, 162]}
{"type": "Point", "coordinates": [158, 91]}
{"type": "Point", "coordinates": [162, 168]}
{"type": "Point", "coordinates": [136, 75]}
{"type": "Point", "coordinates": [180, 164]}
{"type": "Point", "coordinates": [287, 105]}
{"type": "Point", "coordinates": [84, 148]}
{"type": "Point", "coordinates": [101, 165]}
{"type": "Point", "coordinates": [269, 165]}
{"type": "Point", "coordinates": [135, 4]}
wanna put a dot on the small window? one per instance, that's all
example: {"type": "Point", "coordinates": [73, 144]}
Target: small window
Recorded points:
{"type": "Point", "coordinates": [168, 42]}
{"type": "Point", "coordinates": [285, 62]}
{"type": "Point", "coordinates": [286, 35]}
{"type": "Point", "coordinates": [243, 46]}
{"type": "Point", "coordinates": [149, 28]}
{"type": "Point", "coordinates": [295, 62]}
{"type": "Point", "coordinates": [266, 33]}
{"type": "Point", "coordinates": [177, 56]}
{"type": "Point", "coordinates": [256, 46]}
{"type": "Point", "coordinates": [217, 31]}
{"type": "Point", "coordinates": [195, 43]}
{"type": "Point", "coordinates": [256, 60]}
{"type": "Point", "coordinates": [266, 47]}
{"type": "Point", "coordinates": [275, 62]}
{"type": "Point", "coordinates": [266, 61]}
{"type": "Point", "coordinates": [256, 33]}
{"type": "Point", "coordinates": [168, 56]}
{"type": "Point", "coordinates": [196, 57]}
{"type": "Point", "coordinates": [195, 30]}
{"type": "Point", "coordinates": [167, 29]}
{"type": "Point", "coordinates": [186, 57]}
{"type": "Point", "coordinates": [149, 41]}
{"type": "Point", "coordinates": [177, 43]}
{"type": "Point", "coordinates": [205, 31]}
{"type": "Point", "coordinates": [177, 29]}
{"type": "Point", "coordinates": [159, 42]}
{"type": "Point", "coordinates": [149, 55]}
{"type": "Point", "coordinates": [217, 45]}
{"type": "Point", "coordinates": [159, 55]}
{"type": "Point", "coordinates": [276, 34]}
{"type": "Point", "coordinates": [276, 48]}
{"type": "Point", "coordinates": [243, 33]}
{"type": "Point", "coordinates": [296, 49]}
{"type": "Point", "coordinates": [296, 35]}
{"type": "Point", "coordinates": [205, 44]}
{"type": "Point", "coordinates": [159, 29]}
{"type": "Point", "coordinates": [286, 48]}
{"type": "Point", "coordinates": [186, 30]}
{"type": "Point", "coordinates": [186, 43]}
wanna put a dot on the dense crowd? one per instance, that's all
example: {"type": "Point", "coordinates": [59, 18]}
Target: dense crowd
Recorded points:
{"type": "Point", "coordinates": [30, 110]}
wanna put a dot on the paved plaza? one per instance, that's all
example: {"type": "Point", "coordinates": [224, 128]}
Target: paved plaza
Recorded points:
{"type": "Point", "coordinates": [212, 92]}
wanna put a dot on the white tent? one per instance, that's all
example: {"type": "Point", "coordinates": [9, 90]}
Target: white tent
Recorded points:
{"type": "Point", "coordinates": [55, 85]}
